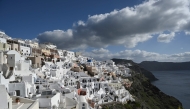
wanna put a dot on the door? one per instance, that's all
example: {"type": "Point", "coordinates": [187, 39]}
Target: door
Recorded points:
{"type": "Point", "coordinates": [17, 92]}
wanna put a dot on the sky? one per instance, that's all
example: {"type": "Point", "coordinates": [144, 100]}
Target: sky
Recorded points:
{"type": "Point", "coordinates": [141, 30]}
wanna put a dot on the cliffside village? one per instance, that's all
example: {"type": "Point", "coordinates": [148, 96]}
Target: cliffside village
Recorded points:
{"type": "Point", "coordinates": [40, 76]}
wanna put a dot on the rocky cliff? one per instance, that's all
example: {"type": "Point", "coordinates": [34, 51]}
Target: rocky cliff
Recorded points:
{"type": "Point", "coordinates": [147, 96]}
{"type": "Point", "coordinates": [146, 73]}
{"type": "Point", "coordinates": [165, 66]}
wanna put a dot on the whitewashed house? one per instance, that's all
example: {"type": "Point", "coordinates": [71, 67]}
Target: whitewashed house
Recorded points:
{"type": "Point", "coordinates": [32, 43]}
{"type": "Point", "coordinates": [56, 71]}
{"type": "Point", "coordinates": [23, 89]}
{"type": "Point", "coordinates": [3, 35]}
{"type": "Point", "coordinates": [5, 100]}
{"type": "Point", "coordinates": [124, 95]}
{"type": "Point", "coordinates": [71, 81]}
{"type": "Point", "coordinates": [49, 99]}
{"type": "Point", "coordinates": [82, 103]}
{"type": "Point", "coordinates": [48, 45]}
{"type": "Point", "coordinates": [69, 54]}
{"type": "Point", "coordinates": [68, 65]}
{"type": "Point", "coordinates": [3, 40]}
{"type": "Point", "coordinates": [30, 78]}
{"type": "Point", "coordinates": [5, 81]}
{"type": "Point", "coordinates": [110, 63]}
{"type": "Point", "coordinates": [25, 49]}
{"type": "Point", "coordinates": [61, 54]}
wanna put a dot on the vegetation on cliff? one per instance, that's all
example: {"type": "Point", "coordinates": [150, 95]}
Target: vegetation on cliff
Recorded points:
{"type": "Point", "coordinates": [147, 96]}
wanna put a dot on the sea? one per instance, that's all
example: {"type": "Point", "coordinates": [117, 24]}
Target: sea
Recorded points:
{"type": "Point", "coordinates": [176, 84]}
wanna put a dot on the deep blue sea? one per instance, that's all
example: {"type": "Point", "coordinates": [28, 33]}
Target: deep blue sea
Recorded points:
{"type": "Point", "coordinates": [174, 83]}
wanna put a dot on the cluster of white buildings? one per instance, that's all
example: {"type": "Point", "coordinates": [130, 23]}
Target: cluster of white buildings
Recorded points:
{"type": "Point", "coordinates": [58, 79]}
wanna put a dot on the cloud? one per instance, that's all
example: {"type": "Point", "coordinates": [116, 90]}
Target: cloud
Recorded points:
{"type": "Point", "coordinates": [128, 26]}
{"type": "Point", "coordinates": [140, 55]}
{"type": "Point", "coordinates": [35, 40]}
{"type": "Point", "coordinates": [63, 39]}
{"type": "Point", "coordinates": [100, 51]}
{"type": "Point", "coordinates": [166, 38]}
{"type": "Point", "coordinates": [187, 32]}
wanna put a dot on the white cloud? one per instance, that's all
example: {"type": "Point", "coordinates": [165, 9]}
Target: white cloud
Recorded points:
{"type": "Point", "coordinates": [187, 32]}
{"type": "Point", "coordinates": [100, 51]}
{"type": "Point", "coordinates": [140, 55]}
{"type": "Point", "coordinates": [35, 40]}
{"type": "Point", "coordinates": [166, 38]}
{"type": "Point", "coordinates": [127, 26]}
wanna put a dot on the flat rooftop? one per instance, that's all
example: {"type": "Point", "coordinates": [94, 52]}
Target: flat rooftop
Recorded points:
{"type": "Point", "coordinates": [21, 105]}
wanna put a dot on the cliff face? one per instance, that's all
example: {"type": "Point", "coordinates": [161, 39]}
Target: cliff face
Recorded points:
{"type": "Point", "coordinates": [146, 73]}
{"type": "Point", "coordinates": [165, 66]}
{"type": "Point", "coordinates": [147, 96]}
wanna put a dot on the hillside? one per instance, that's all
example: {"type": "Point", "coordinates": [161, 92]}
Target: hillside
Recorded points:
{"type": "Point", "coordinates": [147, 96]}
{"type": "Point", "coordinates": [146, 73]}
{"type": "Point", "coordinates": [165, 66]}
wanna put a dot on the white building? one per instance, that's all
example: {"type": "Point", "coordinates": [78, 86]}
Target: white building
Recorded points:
{"type": "Point", "coordinates": [30, 78]}
{"type": "Point", "coordinates": [47, 45]}
{"type": "Point", "coordinates": [25, 49]}
{"type": "Point", "coordinates": [49, 99]}
{"type": "Point", "coordinates": [3, 35]}
{"type": "Point", "coordinates": [32, 43]}
{"type": "Point", "coordinates": [5, 81]}
{"type": "Point", "coordinates": [82, 103]}
{"type": "Point", "coordinates": [3, 40]}
{"type": "Point", "coordinates": [5, 100]}
{"type": "Point", "coordinates": [69, 53]}
{"type": "Point", "coordinates": [70, 81]}
{"type": "Point", "coordinates": [23, 89]}
{"type": "Point", "coordinates": [61, 53]}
